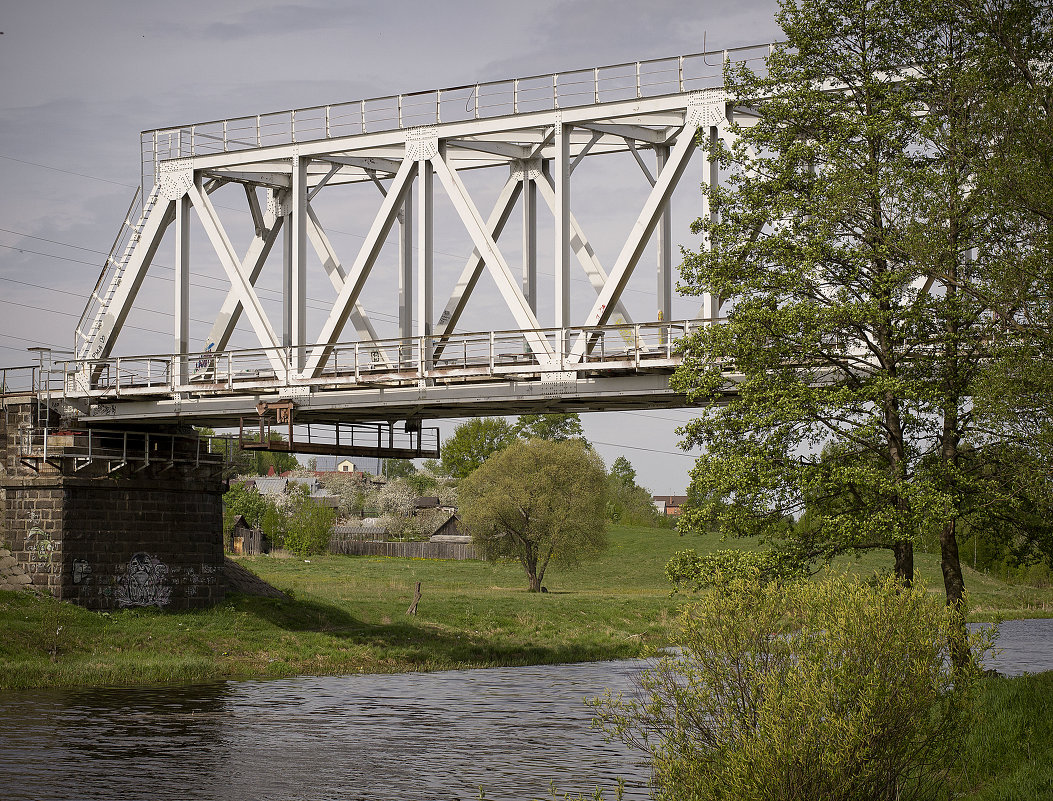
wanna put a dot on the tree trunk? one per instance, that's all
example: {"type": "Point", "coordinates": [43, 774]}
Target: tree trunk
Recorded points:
{"type": "Point", "coordinates": [535, 582]}
{"type": "Point", "coordinates": [903, 551]}
{"type": "Point", "coordinates": [954, 586]}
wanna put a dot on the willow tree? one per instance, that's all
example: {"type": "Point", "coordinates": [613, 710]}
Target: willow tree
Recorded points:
{"type": "Point", "coordinates": [840, 243]}
{"type": "Point", "coordinates": [537, 501]}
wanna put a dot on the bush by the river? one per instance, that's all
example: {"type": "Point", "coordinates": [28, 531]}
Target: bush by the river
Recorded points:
{"type": "Point", "coordinates": [834, 689]}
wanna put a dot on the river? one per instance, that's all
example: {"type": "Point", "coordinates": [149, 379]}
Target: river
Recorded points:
{"type": "Point", "coordinates": [406, 736]}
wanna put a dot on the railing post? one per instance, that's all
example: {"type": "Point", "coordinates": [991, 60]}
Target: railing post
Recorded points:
{"type": "Point", "coordinates": [225, 148]}
{"type": "Point", "coordinates": [362, 111]}
{"type": "Point", "coordinates": [596, 85]}
{"type": "Point", "coordinates": [638, 95]}
{"type": "Point", "coordinates": [636, 344]}
{"type": "Point", "coordinates": [515, 96]}
{"type": "Point", "coordinates": [230, 371]}
{"type": "Point", "coordinates": [117, 381]}
{"type": "Point", "coordinates": [438, 106]}
{"type": "Point", "coordinates": [292, 125]}
{"type": "Point", "coordinates": [259, 135]}
{"type": "Point", "coordinates": [327, 134]}
{"type": "Point", "coordinates": [491, 353]}
{"type": "Point", "coordinates": [680, 74]}
{"type": "Point", "coordinates": [357, 368]}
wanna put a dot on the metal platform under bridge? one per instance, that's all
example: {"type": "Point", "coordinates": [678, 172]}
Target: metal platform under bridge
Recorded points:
{"type": "Point", "coordinates": [331, 363]}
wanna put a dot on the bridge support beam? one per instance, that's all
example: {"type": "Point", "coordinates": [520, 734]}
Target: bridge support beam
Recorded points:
{"type": "Point", "coordinates": [139, 536]}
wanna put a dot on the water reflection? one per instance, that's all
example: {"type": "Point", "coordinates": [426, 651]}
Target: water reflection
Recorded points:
{"type": "Point", "coordinates": [406, 736]}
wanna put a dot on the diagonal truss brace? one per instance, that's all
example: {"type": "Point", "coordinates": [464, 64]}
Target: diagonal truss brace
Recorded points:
{"type": "Point", "coordinates": [679, 156]}
{"type": "Point", "coordinates": [359, 272]}
{"type": "Point", "coordinates": [239, 279]}
{"type": "Point", "coordinates": [495, 261]}
{"type": "Point", "coordinates": [268, 226]}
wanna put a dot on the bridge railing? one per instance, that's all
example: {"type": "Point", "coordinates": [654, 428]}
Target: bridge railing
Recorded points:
{"type": "Point", "coordinates": [626, 81]}
{"type": "Point", "coordinates": [19, 380]}
{"type": "Point", "coordinates": [626, 346]}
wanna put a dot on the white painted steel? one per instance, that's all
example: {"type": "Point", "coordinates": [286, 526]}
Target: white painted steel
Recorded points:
{"type": "Point", "coordinates": [539, 128]}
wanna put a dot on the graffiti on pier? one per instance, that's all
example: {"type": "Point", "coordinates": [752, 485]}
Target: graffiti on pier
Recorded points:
{"type": "Point", "coordinates": [81, 571]}
{"type": "Point", "coordinates": [146, 582]}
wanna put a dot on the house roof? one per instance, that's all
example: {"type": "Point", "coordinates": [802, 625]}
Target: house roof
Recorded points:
{"type": "Point", "coordinates": [271, 485]}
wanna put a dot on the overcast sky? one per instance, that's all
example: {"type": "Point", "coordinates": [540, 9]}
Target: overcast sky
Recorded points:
{"type": "Point", "coordinates": [82, 78]}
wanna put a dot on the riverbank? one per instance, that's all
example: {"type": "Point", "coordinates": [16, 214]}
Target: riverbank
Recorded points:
{"type": "Point", "coordinates": [348, 615]}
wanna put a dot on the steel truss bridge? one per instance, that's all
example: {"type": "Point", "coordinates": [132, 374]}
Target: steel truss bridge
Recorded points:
{"type": "Point", "coordinates": [533, 131]}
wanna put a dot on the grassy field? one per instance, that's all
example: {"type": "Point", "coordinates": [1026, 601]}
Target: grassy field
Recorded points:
{"type": "Point", "coordinates": [348, 614]}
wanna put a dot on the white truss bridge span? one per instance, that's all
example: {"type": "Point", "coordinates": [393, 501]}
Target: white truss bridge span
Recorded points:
{"type": "Point", "coordinates": [400, 151]}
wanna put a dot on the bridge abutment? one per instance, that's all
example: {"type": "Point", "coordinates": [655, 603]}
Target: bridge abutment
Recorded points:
{"type": "Point", "coordinates": [139, 528]}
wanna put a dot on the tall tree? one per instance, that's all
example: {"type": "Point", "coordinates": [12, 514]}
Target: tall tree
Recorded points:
{"type": "Point", "coordinates": [842, 244]}
{"type": "Point", "coordinates": [538, 501]}
{"type": "Point", "coordinates": [555, 427]}
{"type": "Point", "coordinates": [822, 320]}
{"type": "Point", "coordinates": [473, 442]}
{"type": "Point", "coordinates": [1015, 175]}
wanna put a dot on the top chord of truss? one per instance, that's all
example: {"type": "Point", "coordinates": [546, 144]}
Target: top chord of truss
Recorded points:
{"type": "Point", "coordinates": [550, 92]}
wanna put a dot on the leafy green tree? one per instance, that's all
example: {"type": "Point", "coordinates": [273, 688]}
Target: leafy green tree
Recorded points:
{"type": "Point", "coordinates": [539, 502]}
{"type": "Point", "coordinates": [622, 469]}
{"type": "Point", "coordinates": [472, 442]}
{"type": "Point", "coordinates": [832, 689]}
{"type": "Point", "coordinates": [308, 525]}
{"type": "Point", "coordinates": [245, 501]}
{"type": "Point", "coordinates": [1015, 175]}
{"type": "Point", "coordinates": [554, 427]}
{"type": "Point", "coordinates": [627, 502]}
{"type": "Point", "coordinates": [842, 245]}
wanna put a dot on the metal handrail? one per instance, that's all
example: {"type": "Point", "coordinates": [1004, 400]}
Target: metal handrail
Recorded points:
{"type": "Point", "coordinates": [632, 79]}
{"type": "Point", "coordinates": [400, 359]}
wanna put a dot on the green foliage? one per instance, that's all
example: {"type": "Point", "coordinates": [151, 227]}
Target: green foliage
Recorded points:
{"type": "Point", "coordinates": [554, 427]}
{"type": "Point", "coordinates": [689, 570]}
{"type": "Point", "coordinates": [622, 469]}
{"type": "Point", "coordinates": [308, 525]}
{"type": "Point", "coordinates": [472, 442]}
{"type": "Point", "coordinates": [833, 689]}
{"type": "Point", "coordinates": [537, 501]}
{"type": "Point", "coordinates": [627, 502]}
{"type": "Point", "coordinates": [275, 524]}
{"type": "Point", "coordinates": [858, 269]}
{"type": "Point", "coordinates": [245, 501]}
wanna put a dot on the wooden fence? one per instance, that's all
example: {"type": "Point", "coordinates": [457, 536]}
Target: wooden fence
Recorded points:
{"type": "Point", "coordinates": [409, 550]}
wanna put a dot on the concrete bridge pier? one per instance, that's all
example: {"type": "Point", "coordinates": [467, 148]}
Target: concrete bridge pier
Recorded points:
{"type": "Point", "coordinates": [111, 520]}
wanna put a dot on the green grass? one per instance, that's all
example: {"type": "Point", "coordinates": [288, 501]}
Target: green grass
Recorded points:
{"type": "Point", "coordinates": [348, 614]}
{"type": "Point", "coordinates": [1009, 756]}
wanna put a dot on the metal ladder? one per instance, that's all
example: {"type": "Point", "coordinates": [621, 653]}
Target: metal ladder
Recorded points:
{"type": "Point", "coordinates": [112, 271]}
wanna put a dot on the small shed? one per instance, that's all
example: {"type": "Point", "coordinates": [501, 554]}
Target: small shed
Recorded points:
{"type": "Point", "coordinates": [246, 540]}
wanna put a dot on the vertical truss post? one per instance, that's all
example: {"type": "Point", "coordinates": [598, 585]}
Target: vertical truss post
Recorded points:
{"type": "Point", "coordinates": [529, 237]}
{"type": "Point", "coordinates": [181, 308]}
{"type": "Point", "coordinates": [406, 267]}
{"type": "Point", "coordinates": [425, 250]}
{"type": "Point", "coordinates": [710, 302]}
{"type": "Point", "coordinates": [561, 170]}
{"type": "Point", "coordinates": [665, 242]}
{"type": "Point", "coordinates": [294, 329]}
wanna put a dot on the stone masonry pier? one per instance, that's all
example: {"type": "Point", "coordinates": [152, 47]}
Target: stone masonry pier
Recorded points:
{"type": "Point", "coordinates": [132, 520]}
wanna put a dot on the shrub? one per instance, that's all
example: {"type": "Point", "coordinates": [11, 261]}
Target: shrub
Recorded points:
{"type": "Point", "coordinates": [309, 527]}
{"type": "Point", "coordinates": [833, 689]}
